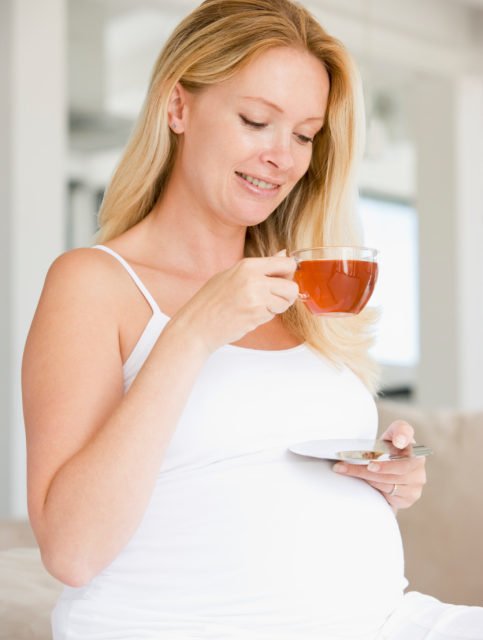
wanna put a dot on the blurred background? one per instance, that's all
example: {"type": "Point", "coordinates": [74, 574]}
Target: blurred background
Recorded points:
{"type": "Point", "coordinates": [73, 75]}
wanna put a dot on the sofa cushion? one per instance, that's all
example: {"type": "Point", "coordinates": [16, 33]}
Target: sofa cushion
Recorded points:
{"type": "Point", "coordinates": [27, 595]}
{"type": "Point", "coordinates": [443, 532]}
{"type": "Point", "coordinates": [16, 533]}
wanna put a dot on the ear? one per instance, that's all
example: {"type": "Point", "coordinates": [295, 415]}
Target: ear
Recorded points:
{"type": "Point", "coordinates": [177, 109]}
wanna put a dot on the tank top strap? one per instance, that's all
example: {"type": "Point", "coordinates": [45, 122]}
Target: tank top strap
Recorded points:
{"type": "Point", "coordinates": [134, 276]}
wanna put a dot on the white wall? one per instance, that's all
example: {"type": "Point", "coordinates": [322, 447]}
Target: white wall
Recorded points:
{"type": "Point", "coordinates": [469, 298]}
{"type": "Point", "coordinates": [5, 260]}
{"type": "Point", "coordinates": [32, 196]}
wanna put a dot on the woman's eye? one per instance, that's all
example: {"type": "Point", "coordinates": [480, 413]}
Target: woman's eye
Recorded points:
{"type": "Point", "coordinates": [304, 139]}
{"type": "Point", "coordinates": [251, 123]}
{"type": "Point", "coordinates": [261, 125]}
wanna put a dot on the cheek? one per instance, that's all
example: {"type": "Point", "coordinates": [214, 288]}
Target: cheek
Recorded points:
{"type": "Point", "coordinates": [201, 155]}
{"type": "Point", "coordinates": [302, 161]}
{"type": "Point", "coordinates": [225, 146]}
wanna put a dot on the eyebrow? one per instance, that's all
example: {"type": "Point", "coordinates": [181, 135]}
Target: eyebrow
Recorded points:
{"type": "Point", "coordinates": [276, 107]}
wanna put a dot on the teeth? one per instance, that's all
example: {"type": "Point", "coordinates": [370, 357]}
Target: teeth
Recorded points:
{"type": "Point", "coordinates": [258, 183]}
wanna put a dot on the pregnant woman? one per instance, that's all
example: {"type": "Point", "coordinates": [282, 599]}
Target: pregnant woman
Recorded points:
{"type": "Point", "coordinates": [170, 367]}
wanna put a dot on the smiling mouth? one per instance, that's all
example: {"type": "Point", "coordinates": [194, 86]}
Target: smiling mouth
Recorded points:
{"type": "Point", "coordinates": [261, 184]}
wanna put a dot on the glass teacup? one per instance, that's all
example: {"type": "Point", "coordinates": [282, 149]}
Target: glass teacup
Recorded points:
{"type": "Point", "coordinates": [336, 281]}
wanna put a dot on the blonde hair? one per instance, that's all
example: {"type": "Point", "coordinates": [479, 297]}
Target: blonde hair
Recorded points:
{"type": "Point", "coordinates": [208, 46]}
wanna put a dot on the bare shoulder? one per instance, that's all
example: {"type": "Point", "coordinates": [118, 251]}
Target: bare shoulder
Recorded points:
{"type": "Point", "coordinates": [78, 312]}
{"type": "Point", "coordinates": [81, 290]}
{"type": "Point", "coordinates": [83, 271]}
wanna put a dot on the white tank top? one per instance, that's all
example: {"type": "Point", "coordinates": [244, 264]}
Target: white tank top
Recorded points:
{"type": "Point", "coordinates": [242, 538]}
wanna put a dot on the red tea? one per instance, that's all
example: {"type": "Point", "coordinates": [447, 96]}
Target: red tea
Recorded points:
{"type": "Point", "coordinates": [339, 287]}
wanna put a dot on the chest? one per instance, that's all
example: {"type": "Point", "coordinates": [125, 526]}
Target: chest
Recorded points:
{"type": "Point", "coordinates": [171, 293]}
{"type": "Point", "coordinates": [249, 401]}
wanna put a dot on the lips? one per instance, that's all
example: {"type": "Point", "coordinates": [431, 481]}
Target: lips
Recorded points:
{"type": "Point", "coordinates": [265, 185]}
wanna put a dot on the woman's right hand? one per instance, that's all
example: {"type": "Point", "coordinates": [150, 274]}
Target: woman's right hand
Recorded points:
{"type": "Point", "coordinates": [236, 301]}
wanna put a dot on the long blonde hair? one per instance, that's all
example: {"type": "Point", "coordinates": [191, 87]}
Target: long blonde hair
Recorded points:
{"type": "Point", "coordinates": [209, 46]}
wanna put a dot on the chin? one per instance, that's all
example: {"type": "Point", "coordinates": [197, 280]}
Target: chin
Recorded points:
{"type": "Point", "coordinates": [250, 218]}
{"type": "Point", "coordinates": [253, 222]}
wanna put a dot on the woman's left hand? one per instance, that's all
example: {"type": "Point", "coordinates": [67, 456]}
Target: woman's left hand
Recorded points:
{"type": "Point", "coordinates": [400, 481]}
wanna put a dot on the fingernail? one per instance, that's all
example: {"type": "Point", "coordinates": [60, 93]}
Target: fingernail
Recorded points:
{"type": "Point", "coordinates": [400, 441]}
{"type": "Point", "coordinates": [340, 468]}
{"type": "Point", "coordinates": [373, 466]}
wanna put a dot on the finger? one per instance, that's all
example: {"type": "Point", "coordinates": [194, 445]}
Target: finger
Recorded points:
{"type": "Point", "coordinates": [278, 305]}
{"type": "Point", "coordinates": [400, 433]}
{"type": "Point", "coordinates": [387, 488]}
{"type": "Point", "coordinates": [397, 467]}
{"type": "Point", "coordinates": [286, 289]}
{"type": "Point", "coordinates": [277, 266]}
{"type": "Point", "coordinates": [362, 472]}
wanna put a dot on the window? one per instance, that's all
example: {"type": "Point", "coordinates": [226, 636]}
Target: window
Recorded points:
{"type": "Point", "coordinates": [391, 227]}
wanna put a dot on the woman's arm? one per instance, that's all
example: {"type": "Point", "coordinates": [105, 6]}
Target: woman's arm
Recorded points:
{"type": "Point", "coordinates": [94, 454]}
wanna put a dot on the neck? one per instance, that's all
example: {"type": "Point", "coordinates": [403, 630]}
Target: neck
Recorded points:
{"type": "Point", "coordinates": [190, 236]}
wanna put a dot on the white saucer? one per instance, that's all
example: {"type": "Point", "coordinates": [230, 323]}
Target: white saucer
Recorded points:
{"type": "Point", "coordinates": [358, 451]}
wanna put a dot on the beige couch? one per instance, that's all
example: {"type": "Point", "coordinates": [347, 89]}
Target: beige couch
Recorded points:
{"type": "Point", "coordinates": [443, 533]}
{"type": "Point", "coordinates": [27, 591]}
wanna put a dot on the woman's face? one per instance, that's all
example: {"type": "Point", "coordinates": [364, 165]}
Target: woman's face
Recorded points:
{"type": "Point", "coordinates": [248, 140]}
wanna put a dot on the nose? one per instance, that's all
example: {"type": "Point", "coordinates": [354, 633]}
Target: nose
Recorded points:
{"type": "Point", "coordinates": [279, 155]}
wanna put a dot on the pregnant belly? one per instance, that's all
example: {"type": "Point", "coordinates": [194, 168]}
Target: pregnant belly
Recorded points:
{"type": "Point", "coordinates": [265, 536]}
